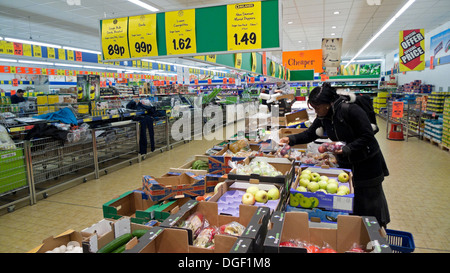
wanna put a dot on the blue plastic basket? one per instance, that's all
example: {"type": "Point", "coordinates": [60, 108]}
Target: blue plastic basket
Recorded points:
{"type": "Point", "coordinates": [400, 241]}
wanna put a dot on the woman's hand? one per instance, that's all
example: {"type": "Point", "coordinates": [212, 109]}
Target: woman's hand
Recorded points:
{"type": "Point", "coordinates": [284, 140]}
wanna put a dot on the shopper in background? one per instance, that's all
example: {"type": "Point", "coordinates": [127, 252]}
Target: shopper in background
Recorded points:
{"type": "Point", "coordinates": [281, 87]}
{"type": "Point", "coordinates": [361, 153]}
{"type": "Point", "coordinates": [18, 97]}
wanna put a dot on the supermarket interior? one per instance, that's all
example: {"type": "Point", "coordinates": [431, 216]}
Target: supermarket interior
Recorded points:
{"type": "Point", "coordinates": [177, 126]}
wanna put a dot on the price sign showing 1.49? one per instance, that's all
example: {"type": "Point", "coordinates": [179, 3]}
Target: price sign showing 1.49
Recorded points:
{"type": "Point", "coordinates": [115, 39]}
{"type": "Point", "coordinates": [142, 35]}
{"type": "Point", "coordinates": [244, 26]}
{"type": "Point", "coordinates": [180, 32]}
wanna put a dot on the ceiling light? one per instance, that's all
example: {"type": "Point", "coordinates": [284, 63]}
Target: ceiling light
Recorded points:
{"type": "Point", "coordinates": [93, 67]}
{"type": "Point", "coordinates": [68, 65]}
{"type": "Point", "coordinates": [333, 27]}
{"type": "Point", "coordinates": [34, 62]}
{"type": "Point", "coordinates": [290, 23]}
{"type": "Point", "coordinates": [30, 42]}
{"type": "Point", "coordinates": [336, 12]}
{"type": "Point", "coordinates": [144, 5]}
{"type": "Point", "coordinates": [1, 38]}
{"type": "Point", "coordinates": [299, 41]}
{"type": "Point", "coordinates": [80, 49]}
{"type": "Point", "coordinates": [405, 7]}
{"type": "Point", "coordinates": [8, 60]}
{"type": "Point", "coordinates": [332, 34]}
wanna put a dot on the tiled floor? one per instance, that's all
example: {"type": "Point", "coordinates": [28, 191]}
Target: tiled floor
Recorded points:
{"type": "Point", "coordinates": [416, 190]}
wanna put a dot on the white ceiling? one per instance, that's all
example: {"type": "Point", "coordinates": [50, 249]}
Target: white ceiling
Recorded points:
{"type": "Point", "coordinates": [78, 25]}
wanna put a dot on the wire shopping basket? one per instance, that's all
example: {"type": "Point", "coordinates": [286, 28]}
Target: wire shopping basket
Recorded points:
{"type": "Point", "coordinates": [400, 241]}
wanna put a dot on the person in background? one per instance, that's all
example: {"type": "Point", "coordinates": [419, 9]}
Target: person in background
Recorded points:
{"type": "Point", "coordinates": [18, 97]}
{"type": "Point", "coordinates": [361, 152]}
{"type": "Point", "coordinates": [281, 87]}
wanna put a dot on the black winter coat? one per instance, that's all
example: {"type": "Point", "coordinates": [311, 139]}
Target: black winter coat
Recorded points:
{"type": "Point", "coordinates": [361, 153]}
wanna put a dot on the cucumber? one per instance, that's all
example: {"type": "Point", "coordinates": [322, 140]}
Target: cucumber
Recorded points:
{"type": "Point", "coordinates": [120, 249]}
{"type": "Point", "coordinates": [139, 232]}
{"type": "Point", "coordinates": [114, 244]}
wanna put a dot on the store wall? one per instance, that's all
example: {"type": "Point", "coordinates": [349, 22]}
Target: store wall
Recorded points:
{"type": "Point", "coordinates": [437, 77]}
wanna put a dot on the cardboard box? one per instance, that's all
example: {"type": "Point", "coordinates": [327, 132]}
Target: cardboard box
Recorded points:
{"type": "Point", "coordinates": [284, 132]}
{"type": "Point", "coordinates": [98, 235]}
{"type": "Point", "coordinates": [187, 167]}
{"type": "Point", "coordinates": [212, 180]}
{"type": "Point", "coordinates": [285, 166]}
{"type": "Point", "coordinates": [285, 226]}
{"type": "Point", "coordinates": [254, 218]}
{"type": "Point", "coordinates": [296, 118]}
{"type": "Point", "coordinates": [326, 201]}
{"type": "Point", "coordinates": [170, 240]}
{"type": "Point", "coordinates": [218, 163]}
{"type": "Point", "coordinates": [132, 204]}
{"type": "Point", "coordinates": [62, 239]}
{"type": "Point", "coordinates": [162, 188]}
{"type": "Point", "coordinates": [229, 196]}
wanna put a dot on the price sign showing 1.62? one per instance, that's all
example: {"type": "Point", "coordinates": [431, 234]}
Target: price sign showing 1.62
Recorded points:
{"type": "Point", "coordinates": [114, 39]}
{"type": "Point", "coordinates": [142, 35]}
{"type": "Point", "coordinates": [180, 32]}
{"type": "Point", "coordinates": [244, 26]}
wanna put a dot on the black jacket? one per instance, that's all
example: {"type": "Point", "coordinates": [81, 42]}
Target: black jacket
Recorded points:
{"type": "Point", "coordinates": [361, 153]}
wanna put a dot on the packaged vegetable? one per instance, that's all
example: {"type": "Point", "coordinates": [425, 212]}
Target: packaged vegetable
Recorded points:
{"type": "Point", "coordinates": [205, 238]}
{"type": "Point", "coordinates": [233, 228]}
{"type": "Point", "coordinates": [195, 222]}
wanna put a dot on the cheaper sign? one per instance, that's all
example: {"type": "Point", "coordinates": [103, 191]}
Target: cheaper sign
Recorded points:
{"type": "Point", "coordinates": [303, 60]}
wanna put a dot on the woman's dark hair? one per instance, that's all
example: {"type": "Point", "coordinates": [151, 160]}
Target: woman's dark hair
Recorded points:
{"type": "Point", "coordinates": [323, 94]}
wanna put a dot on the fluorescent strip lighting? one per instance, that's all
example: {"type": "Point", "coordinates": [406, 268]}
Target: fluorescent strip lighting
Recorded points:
{"type": "Point", "coordinates": [368, 60]}
{"type": "Point", "coordinates": [144, 5]}
{"type": "Point", "coordinates": [8, 60]}
{"type": "Point", "coordinates": [94, 67]}
{"type": "Point", "coordinates": [80, 49]}
{"type": "Point", "coordinates": [30, 42]}
{"type": "Point", "coordinates": [33, 62]}
{"type": "Point", "coordinates": [68, 65]}
{"type": "Point", "coordinates": [1, 38]}
{"type": "Point", "coordinates": [405, 7]}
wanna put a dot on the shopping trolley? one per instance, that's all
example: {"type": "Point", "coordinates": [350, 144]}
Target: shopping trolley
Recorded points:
{"type": "Point", "coordinates": [400, 241]}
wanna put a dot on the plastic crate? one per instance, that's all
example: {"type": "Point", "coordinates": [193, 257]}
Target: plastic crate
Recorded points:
{"type": "Point", "coordinates": [400, 241]}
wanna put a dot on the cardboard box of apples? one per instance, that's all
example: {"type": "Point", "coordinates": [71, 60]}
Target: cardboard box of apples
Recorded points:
{"type": "Point", "coordinates": [327, 188]}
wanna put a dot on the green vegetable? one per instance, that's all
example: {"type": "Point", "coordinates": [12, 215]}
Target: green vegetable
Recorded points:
{"type": "Point", "coordinates": [200, 165]}
{"type": "Point", "coordinates": [114, 244]}
{"type": "Point", "coordinates": [120, 249]}
{"type": "Point", "coordinates": [139, 232]}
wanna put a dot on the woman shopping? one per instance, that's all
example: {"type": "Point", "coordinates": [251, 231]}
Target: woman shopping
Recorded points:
{"type": "Point", "coordinates": [361, 152]}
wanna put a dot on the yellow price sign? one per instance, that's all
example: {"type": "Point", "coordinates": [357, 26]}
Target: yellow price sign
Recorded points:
{"type": "Point", "coordinates": [51, 53]}
{"type": "Point", "coordinates": [180, 32]}
{"type": "Point", "coordinates": [211, 58]}
{"type": "Point", "coordinates": [254, 62]}
{"type": "Point", "coordinates": [37, 51]}
{"type": "Point", "coordinates": [26, 48]}
{"type": "Point", "coordinates": [70, 55]}
{"type": "Point", "coordinates": [244, 26]}
{"type": "Point", "coordinates": [238, 60]}
{"type": "Point", "coordinates": [61, 54]}
{"type": "Point", "coordinates": [115, 38]}
{"type": "Point", "coordinates": [142, 35]}
{"type": "Point", "coordinates": [8, 48]}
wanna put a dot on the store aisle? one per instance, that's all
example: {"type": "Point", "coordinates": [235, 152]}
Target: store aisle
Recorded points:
{"type": "Point", "coordinates": [416, 191]}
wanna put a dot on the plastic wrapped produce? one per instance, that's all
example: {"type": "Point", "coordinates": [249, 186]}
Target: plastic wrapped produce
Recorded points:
{"type": "Point", "coordinates": [205, 238]}
{"type": "Point", "coordinates": [233, 228]}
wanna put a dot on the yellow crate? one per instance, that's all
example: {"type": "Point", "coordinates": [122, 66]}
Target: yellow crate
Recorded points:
{"type": "Point", "coordinates": [41, 100]}
{"type": "Point", "coordinates": [42, 110]}
{"type": "Point", "coordinates": [83, 109]}
{"type": "Point", "coordinates": [53, 99]}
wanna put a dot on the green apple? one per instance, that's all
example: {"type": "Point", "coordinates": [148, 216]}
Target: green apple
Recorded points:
{"type": "Point", "coordinates": [322, 184]}
{"type": "Point", "coordinates": [344, 189]}
{"type": "Point", "coordinates": [252, 189]}
{"type": "Point", "coordinates": [305, 176]}
{"type": "Point", "coordinates": [303, 182]}
{"type": "Point", "coordinates": [301, 188]}
{"type": "Point", "coordinates": [248, 199]}
{"type": "Point", "coordinates": [343, 177]}
{"type": "Point", "coordinates": [294, 201]}
{"type": "Point", "coordinates": [333, 181]}
{"type": "Point", "coordinates": [315, 177]}
{"type": "Point", "coordinates": [314, 202]}
{"type": "Point", "coordinates": [341, 193]}
{"type": "Point", "coordinates": [305, 202]}
{"type": "Point", "coordinates": [306, 171]}
{"type": "Point", "coordinates": [273, 194]}
{"type": "Point", "coordinates": [323, 177]}
{"type": "Point", "coordinates": [332, 188]}
{"type": "Point", "coordinates": [261, 196]}
{"type": "Point", "coordinates": [313, 186]}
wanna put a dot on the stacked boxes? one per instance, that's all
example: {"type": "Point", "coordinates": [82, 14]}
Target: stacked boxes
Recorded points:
{"type": "Point", "coordinates": [422, 100]}
{"type": "Point", "coordinates": [380, 101]}
{"type": "Point", "coordinates": [435, 102]}
{"type": "Point", "coordinates": [416, 87]}
{"type": "Point", "coordinates": [433, 130]}
{"type": "Point", "coordinates": [446, 124]}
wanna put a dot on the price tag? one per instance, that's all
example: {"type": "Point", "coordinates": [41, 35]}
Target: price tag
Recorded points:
{"type": "Point", "coordinates": [211, 58]}
{"type": "Point", "coordinates": [51, 53]}
{"type": "Point", "coordinates": [254, 62]}
{"type": "Point", "coordinates": [142, 35]}
{"type": "Point", "coordinates": [61, 54]}
{"type": "Point", "coordinates": [70, 55]}
{"type": "Point", "coordinates": [27, 50]}
{"type": "Point", "coordinates": [115, 38]}
{"type": "Point", "coordinates": [18, 49]}
{"type": "Point", "coordinates": [238, 60]}
{"type": "Point", "coordinates": [180, 32]}
{"type": "Point", "coordinates": [8, 48]}
{"type": "Point", "coordinates": [78, 56]}
{"type": "Point", "coordinates": [244, 26]}
{"type": "Point", "coordinates": [37, 51]}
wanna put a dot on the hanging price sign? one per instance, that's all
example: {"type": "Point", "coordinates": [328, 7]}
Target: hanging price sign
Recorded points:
{"type": "Point", "coordinates": [61, 54]}
{"type": "Point", "coordinates": [180, 32]}
{"type": "Point", "coordinates": [142, 36]}
{"type": "Point", "coordinates": [51, 53]}
{"type": "Point", "coordinates": [244, 26]}
{"type": "Point", "coordinates": [37, 51]}
{"type": "Point", "coordinates": [115, 38]}
{"type": "Point", "coordinates": [27, 50]}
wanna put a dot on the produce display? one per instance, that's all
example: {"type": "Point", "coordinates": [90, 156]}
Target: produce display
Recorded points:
{"type": "Point", "coordinates": [71, 247]}
{"type": "Point", "coordinates": [253, 194]}
{"type": "Point", "coordinates": [200, 165]}
{"type": "Point", "coordinates": [118, 245]}
{"type": "Point", "coordinates": [256, 167]}
{"type": "Point", "coordinates": [330, 147]}
{"type": "Point", "coordinates": [313, 248]}
{"type": "Point", "coordinates": [326, 159]}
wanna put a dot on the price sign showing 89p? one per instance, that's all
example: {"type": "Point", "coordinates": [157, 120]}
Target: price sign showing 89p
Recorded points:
{"type": "Point", "coordinates": [115, 38]}
{"type": "Point", "coordinates": [244, 26]}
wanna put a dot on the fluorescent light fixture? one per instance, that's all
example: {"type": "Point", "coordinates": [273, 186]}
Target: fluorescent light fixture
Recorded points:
{"type": "Point", "coordinates": [68, 65]}
{"type": "Point", "coordinates": [299, 41]}
{"type": "Point", "coordinates": [333, 27]}
{"type": "Point", "coordinates": [31, 42]}
{"type": "Point", "coordinates": [80, 49]}
{"type": "Point", "coordinates": [336, 12]}
{"type": "Point", "coordinates": [8, 60]}
{"type": "Point", "coordinates": [332, 34]}
{"type": "Point", "coordinates": [94, 67]}
{"type": "Point", "coordinates": [144, 5]}
{"type": "Point", "coordinates": [34, 62]}
{"type": "Point", "coordinates": [290, 23]}
{"type": "Point", "coordinates": [400, 12]}
{"type": "Point", "coordinates": [1, 38]}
